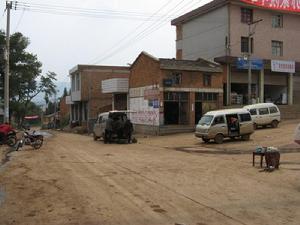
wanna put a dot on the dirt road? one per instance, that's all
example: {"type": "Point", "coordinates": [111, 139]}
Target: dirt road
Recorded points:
{"type": "Point", "coordinates": [74, 180]}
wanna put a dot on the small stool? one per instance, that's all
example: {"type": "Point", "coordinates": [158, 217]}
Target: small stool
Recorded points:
{"type": "Point", "coordinates": [261, 154]}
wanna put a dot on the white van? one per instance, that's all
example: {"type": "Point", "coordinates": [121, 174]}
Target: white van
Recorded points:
{"type": "Point", "coordinates": [220, 124]}
{"type": "Point", "coordinates": [264, 114]}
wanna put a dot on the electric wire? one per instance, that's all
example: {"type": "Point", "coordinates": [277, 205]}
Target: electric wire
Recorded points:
{"type": "Point", "coordinates": [19, 22]}
{"type": "Point", "coordinates": [150, 29]}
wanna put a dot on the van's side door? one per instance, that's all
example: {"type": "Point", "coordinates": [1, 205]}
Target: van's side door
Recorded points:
{"type": "Point", "coordinates": [246, 123]}
{"type": "Point", "coordinates": [263, 116]}
{"type": "Point", "coordinates": [103, 125]}
{"type": "Point", "coordinates": [219, 126]}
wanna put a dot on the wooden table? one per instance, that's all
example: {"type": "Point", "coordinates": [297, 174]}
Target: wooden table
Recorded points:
{"type": "Point", "coordinates": [261, 154]}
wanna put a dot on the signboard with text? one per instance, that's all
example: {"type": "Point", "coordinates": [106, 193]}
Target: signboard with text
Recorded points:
{"type": "Point", "coordinates": [283, 66]}
{"type": "Point", "coordinates": [256, 64]}
{"type": "Point", "coordinates": [285, 5]}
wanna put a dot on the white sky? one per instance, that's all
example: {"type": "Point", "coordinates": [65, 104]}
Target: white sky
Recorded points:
{"type": "Point", "coordinates": [61, 41]}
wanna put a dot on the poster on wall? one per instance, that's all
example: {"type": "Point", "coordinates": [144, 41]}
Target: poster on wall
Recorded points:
{"type": "Point", "coordinates": [283, 5]}
{"type": "Point", "coordinates": [283, 66]}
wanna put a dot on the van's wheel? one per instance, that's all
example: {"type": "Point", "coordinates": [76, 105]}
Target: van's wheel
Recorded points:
{"type": "Point", "coordinates": [219, 138]}
{"type": "Point", "coordinates": [274, 124]}
{"type": "Point", "coordinates": [205, 140]}
{"type": "Point", "coordinates": [246, 137]}
{"type": "Point", "coordinates": [254, 126]}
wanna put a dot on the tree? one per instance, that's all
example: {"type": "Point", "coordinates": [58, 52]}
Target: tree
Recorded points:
{"type": "Point", "coordinates": [26, 80]}
{"type": "Point", "coordinates": [65, 92]}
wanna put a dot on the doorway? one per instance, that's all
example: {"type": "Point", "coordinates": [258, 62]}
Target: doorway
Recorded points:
{"type": "Point", "coordinates": [198, 111]}
{"type": "Point", "coordinates": [171, 113]}
{"type": "Point", "coordinates": [176, 108]}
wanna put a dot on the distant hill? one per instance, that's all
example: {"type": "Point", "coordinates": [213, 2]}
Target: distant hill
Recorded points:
{"type": "Point", "coordinates": [39, 99]}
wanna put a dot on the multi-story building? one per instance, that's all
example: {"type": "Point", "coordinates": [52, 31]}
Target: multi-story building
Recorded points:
{"type": "Point", "coordinates": [222, 30]}
{"type": "Point", "coordinates": [88, 98]}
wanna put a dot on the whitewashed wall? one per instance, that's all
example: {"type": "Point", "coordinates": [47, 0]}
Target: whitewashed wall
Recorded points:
{"type": "Point", "coordinates": [143, 113]}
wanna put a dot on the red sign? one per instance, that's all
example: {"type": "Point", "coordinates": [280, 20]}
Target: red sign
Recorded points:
{"type": "Point", "coordinates": [285, 5]}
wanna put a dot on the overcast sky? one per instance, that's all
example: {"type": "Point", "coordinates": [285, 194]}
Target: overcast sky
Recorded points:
{"type": "Point", "coordinates": [63, 41]}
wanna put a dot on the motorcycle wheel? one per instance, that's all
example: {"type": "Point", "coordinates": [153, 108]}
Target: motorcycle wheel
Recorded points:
{"type": "Point", "coordinates": [11, 141]}
{"type": "Point", "coordinates": [38, 143]}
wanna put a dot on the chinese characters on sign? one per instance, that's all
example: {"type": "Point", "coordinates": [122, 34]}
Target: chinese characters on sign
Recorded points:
{"type": "Point", "coordinates": [287, 5]}
{"type": "Point", "coordinates": [283, 66]}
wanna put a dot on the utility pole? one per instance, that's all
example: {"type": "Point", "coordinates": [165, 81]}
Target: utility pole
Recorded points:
{"type": "Point", "coordinates": [6, 77]}
{"type": "Point", "coordinates": [250, 34]}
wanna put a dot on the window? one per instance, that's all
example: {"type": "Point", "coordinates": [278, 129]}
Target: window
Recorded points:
{"type": "Point", "coordinates": [219, 120]}
{"type": "Point", "coordinates": [77, 82]}
{"type": "Point", "coordinates": [273, 110]}
{"type": "Point", "coordinates": [244, 44]}
{"type": "Point", "coordinates": [206, 97]}
{"type": "Point", "coordinates": [253, 112]}
{"type": "Point", "coordinates": [245, 117]}
{"type": "Point", "coordinates": [277, 21]}
{"type": "Point", "coordinates": [263, 111]}
{"type": "Point", "coordinates": [207, 79]}
{"type": "Point", "coordinates": [246, 15]}
{"type": "Point", "coordinates": [73, 82]}
{"type": "Point", "coordinates": [177, 78]}
{"type": "Point", "coordinates": [277, 48]}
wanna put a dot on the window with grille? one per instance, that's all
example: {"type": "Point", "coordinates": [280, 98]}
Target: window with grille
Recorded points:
{"type": "Point", "coordinates": [206, 80]}
{"type": "Point", "coordinates": [244, 45]}
{"type": "Point", "coordinates": [277, 21]}
{"type": "Point", "coordinates": [246, 15]}
{"type": "Point", "coordinates": [277, 48]}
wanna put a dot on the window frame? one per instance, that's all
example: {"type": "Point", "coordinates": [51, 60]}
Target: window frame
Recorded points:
{"type": "Point", "coordinates": [223, 122]}
{"type": "Point", "coordinates": [245, 44]}
{"type": "Point", "coordinates": [245, 114]}
{"type": "Point", "coordinates": [277, 21]}
{"type": "Point", "coordinates": [250, 111]}
{"type": "Point", "coordinates": [246, 15]}
{"type": "Point", "coordinates": [273, 107]}
{"type": "Point", "coordinates": [207, 79]}
{"type": "Point", "coordinates": [275, 48]}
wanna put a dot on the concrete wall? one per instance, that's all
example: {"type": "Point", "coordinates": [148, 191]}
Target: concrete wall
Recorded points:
{"type": "Point", "coordinates": [265, 33]}
{"type": "Point", "coordinates": [204, 36]}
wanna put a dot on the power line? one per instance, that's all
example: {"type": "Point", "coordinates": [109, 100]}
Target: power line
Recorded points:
{"type": "Point", "coordinates": [148, 30]}
{"type": "Point", "coordinates": [19, 21]}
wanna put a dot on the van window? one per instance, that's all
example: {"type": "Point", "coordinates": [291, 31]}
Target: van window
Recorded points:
{"type": "Point", "coordinates": [263, 111]}
{"type": "Point", "coordinates": [253, 112]}
{"type": "Point", "coordinates": [273, 109]}
{"type": "Point", "coordinates": [219, 120]}
{"type": "Point", "coordinates": [99, 119]}
{"type": "Point", "coordinates": [245, 117]}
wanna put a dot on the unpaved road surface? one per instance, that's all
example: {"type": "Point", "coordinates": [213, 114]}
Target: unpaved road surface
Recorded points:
{"type": "Point", "coordinates": [161, 180]}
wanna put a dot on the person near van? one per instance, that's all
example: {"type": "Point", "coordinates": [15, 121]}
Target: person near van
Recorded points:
{"type": "Point", "coordinates": [108, 130]}
{"type": "Point", "coordinates": [128, 130]}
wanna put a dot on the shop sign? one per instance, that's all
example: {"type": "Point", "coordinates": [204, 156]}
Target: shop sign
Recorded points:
{"type": "Point", "coordinates": [256, 64]}
{"type": "Point", "coordinates": [285, 5]}
{"type": "Point", "coordinates": [283, 66]}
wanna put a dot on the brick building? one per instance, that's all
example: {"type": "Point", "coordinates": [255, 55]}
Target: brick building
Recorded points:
{"type": "Point", "coordinates": [87, 99]}
{"type": "Point", "coordinates": [172, 92]}
{"type": "Point", "coordinates": [219, 31]}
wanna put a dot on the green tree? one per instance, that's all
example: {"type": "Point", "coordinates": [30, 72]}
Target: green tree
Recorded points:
{"type": "Point", "coordinates": [26, 80]}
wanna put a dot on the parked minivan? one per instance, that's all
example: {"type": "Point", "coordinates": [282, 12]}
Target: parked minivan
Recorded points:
{"type": "Point", "coordinates": [264, 114]}
{"type": "Point", "coordinates": [221, 124]}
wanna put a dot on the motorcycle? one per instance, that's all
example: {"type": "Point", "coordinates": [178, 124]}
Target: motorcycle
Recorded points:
{"type": "Point", "coordinates": [8, 136]}
{"type": "Point", "coordinates": [34, 140]}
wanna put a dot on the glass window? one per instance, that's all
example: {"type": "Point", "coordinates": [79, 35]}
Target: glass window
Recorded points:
{"type": "Point", "coordinates": [244, 44]}
{"type": "Point", "coordinates": [273, 110]}
{"type": "Point", "coordinates": [73, 82]}
{"type": "Point", "coordinates": [277, 48]}
{"type": "Point", "coordinates": [263, 111]}
{"type": "Point", "coordinates": [205, 120]}
{"type": "Point", "coordinates": [253, 112]}
{"type": "Point", "coordinates": [206, 79]}
{"type": "Point", "coordinates": [245, 117]}
{"type": "Point", "coordinates": [219, 120]}
{"type": "Point", "coordinates": [277, 21]}
{"type": "Point", "coordinates": [246, 15]}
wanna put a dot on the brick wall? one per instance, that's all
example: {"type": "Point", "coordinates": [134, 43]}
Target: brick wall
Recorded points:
{"type": "Point", "coordinates": [64, 109]}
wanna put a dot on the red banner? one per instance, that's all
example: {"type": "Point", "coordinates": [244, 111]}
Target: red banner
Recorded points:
{"type": "Point", "coordinates": [285, 5]}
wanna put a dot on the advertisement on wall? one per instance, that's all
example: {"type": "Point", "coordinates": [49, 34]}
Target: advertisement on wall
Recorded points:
{"type": "Point", "coordinates": [283, 66]}
{"type": "Point", "coordinates": [283, 5]}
